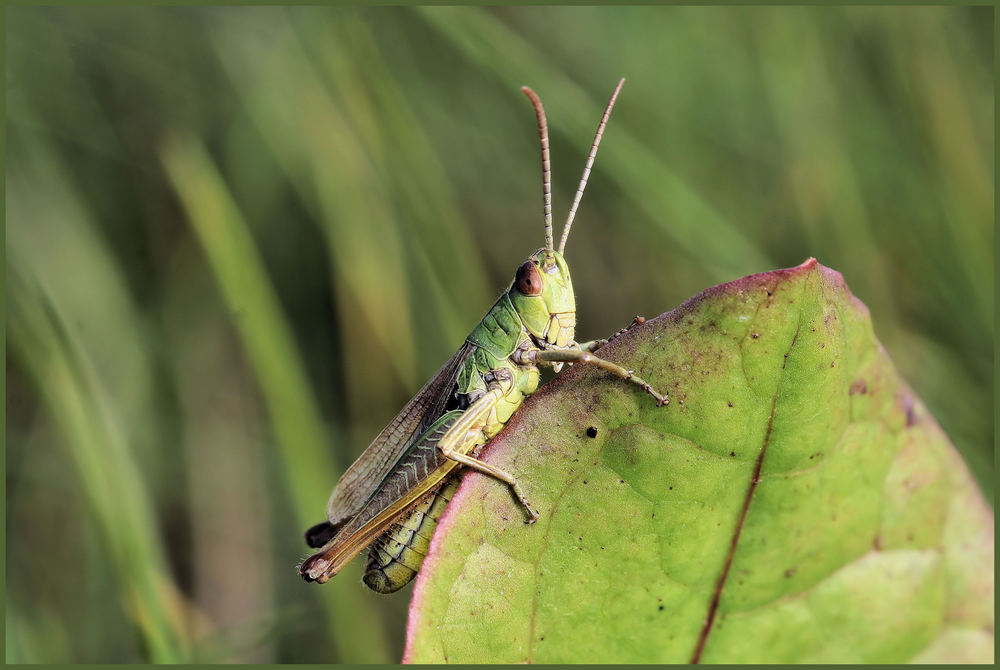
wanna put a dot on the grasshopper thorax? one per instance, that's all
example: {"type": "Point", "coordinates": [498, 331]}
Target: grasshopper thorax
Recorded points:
{"type": "Point", "coordinates": [542, 295]}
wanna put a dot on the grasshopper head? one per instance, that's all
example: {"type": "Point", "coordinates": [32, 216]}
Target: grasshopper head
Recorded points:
{"type": "Point", "coordinates": [542, 294]}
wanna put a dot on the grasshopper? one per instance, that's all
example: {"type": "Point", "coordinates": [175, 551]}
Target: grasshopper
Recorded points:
{"type": "Point", "coordinates": [392, 497]}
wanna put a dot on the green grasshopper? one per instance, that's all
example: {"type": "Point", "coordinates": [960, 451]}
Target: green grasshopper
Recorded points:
{"type": "Point", "coordinates": [392, 497]}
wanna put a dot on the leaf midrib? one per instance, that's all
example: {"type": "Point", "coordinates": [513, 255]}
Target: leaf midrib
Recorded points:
{"type": "Point", "coordinates": [754, 480]}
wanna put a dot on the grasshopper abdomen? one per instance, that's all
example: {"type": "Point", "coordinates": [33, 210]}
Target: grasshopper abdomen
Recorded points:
{"type": "Point", "coordinates": [395, 557]}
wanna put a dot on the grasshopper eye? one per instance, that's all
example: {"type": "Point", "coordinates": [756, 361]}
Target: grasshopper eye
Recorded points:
{"type": "Point", "coordinates": [527, 280]}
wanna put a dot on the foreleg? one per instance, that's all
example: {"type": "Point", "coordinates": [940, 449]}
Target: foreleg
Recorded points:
{"type": "Point", "coordinates": [576, 356]}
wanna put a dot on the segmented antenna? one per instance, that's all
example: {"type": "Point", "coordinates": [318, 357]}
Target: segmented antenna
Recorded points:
{"type": "Point", "coordinates": [543, 136]}
{"type": "Point", "coordinates": [590, 163]}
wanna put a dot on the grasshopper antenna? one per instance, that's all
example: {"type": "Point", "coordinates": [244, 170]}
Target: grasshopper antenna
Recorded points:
{"type": "Point", "coordinates": [543, 136]}
{"type": "Point", "coordinates": [590, 164]}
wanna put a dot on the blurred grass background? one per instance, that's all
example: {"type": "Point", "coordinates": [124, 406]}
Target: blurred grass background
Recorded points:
{"type": "Point", "coordinates": [239, 239]}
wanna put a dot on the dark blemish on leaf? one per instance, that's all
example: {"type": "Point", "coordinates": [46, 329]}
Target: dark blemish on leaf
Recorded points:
{"type": "Point", "coordinates": [755, 335]}
{"type": "Point", "coordinates": [680, 402]}
{"type": "Point", "coordinates": [911, 415]}
{"type": "Point", "coordinates": [769, 293]}
{"type": "Point", "coordinates": [671, 488]}
{"type": "Point", "coordinates": [789, 572]}
{"type": "Point", "coordinates": [621, 481]}
{"type": "Point", "coordinates": [730, 404]}
{"type": "Point", "coordinates": [602, 547]}
{"type": "Point", "coordinates": [732, 453]}
{"type": "Point", "coordinates": [661, 608]}
{"type": "Point", "coordinates": [832, 364]}
{"type": "Point", "coordinates": [591, 432]}
{"type": "Point", "coordinates": [584, 481]}
{"type": "Point", "coordinates": [858, 387]}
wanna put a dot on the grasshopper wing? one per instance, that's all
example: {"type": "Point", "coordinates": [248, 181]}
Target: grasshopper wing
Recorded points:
{"type": "Point", "coordinates": [419, 472]}
{"type": "Point", "coordinates": [361, 480]}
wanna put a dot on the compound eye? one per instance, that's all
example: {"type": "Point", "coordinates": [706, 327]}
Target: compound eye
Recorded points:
{"type": "Point", "coordinates": [527, 280]}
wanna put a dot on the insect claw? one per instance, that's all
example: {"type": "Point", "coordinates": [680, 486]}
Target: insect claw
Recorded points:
{"type": "Point", "coordinates": [532, 514]}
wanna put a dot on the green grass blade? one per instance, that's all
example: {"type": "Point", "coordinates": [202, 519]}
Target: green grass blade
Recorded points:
{"type": "Point", "coordinates": [74, 397]}
{"type": "Point", "coordinates": [302, 442]}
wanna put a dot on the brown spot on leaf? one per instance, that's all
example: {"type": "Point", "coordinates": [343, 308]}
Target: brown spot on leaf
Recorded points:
{"type": "Point", "coordinates": [858, 387]}
{"type": "Point", "coordinates": [911, 414]}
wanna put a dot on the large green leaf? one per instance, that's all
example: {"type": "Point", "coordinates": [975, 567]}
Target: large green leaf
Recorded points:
{"type": "Point", "coordinates": [795, 502]}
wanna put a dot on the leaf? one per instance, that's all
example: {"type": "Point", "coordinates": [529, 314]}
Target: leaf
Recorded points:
{"type": "Point", "coordinates": [794, 503]}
